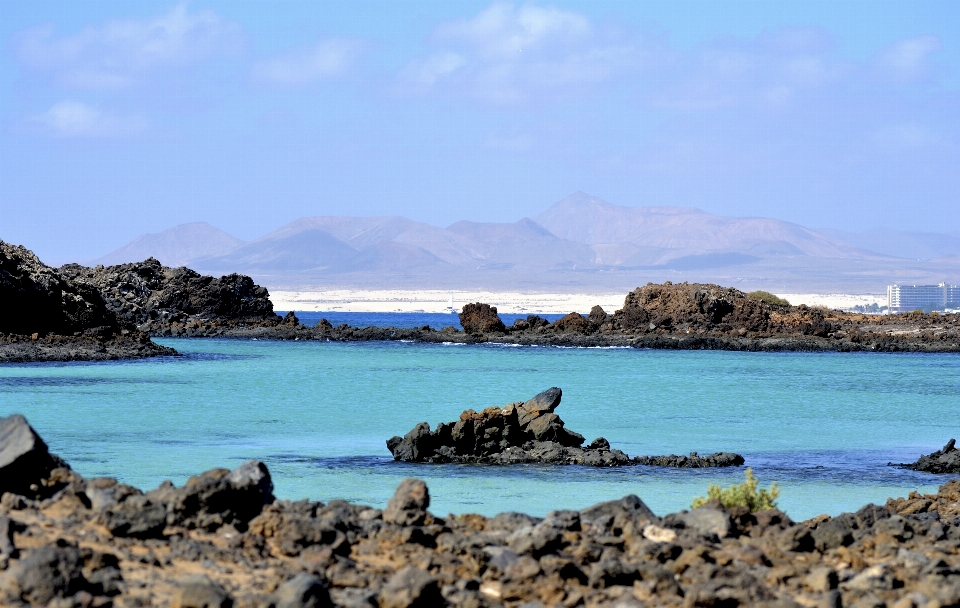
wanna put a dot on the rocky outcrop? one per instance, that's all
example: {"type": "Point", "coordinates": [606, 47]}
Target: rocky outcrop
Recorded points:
{"type": "Point", "coordinates": [693, 461]}
{"type": "Point", "coordinates": [480, 318]}
{"type": "Point", "coordinates": [38, 299]}
{"type": "Point", "coordinates": [945, 460]}
{"type": "Point", "coordinates": [48, 315]}
{"type": "Point", "coordinates": [221, 540]}
{"type": "Point", "coordinates": [525, 432]}
{"type": "Point", "coordinates": [25, 462]}
{"type": "Point", "coordinates": [151, 295]}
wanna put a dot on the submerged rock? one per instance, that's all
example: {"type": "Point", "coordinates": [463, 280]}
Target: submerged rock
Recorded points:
{"type": "Point", "coordinates": [526, 432]}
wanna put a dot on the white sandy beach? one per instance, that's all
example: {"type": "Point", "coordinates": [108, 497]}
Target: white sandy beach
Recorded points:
{"type": "Point", "coordinates": [358, 300]}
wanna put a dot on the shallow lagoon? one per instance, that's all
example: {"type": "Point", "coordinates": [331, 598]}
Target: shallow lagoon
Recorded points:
{"type": "Point", "coordinates": [823, 426]}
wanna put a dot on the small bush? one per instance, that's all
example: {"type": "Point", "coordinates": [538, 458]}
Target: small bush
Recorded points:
{"type": "Point", "coordinates": [742, 495]}
{"type": "Point", "coordinates": [769, 298]}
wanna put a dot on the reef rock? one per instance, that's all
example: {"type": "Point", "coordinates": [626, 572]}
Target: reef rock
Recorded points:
{"type": "Point", "coordinates": [945, 460]}
{"type": "Point", "coordinates": [525, 432]}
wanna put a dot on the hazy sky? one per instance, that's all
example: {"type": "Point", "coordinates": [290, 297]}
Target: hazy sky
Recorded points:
{"type": "Point", "coordinates": [119, 118]}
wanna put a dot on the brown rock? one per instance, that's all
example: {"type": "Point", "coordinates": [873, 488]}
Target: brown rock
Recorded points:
{"type": "Point", "coordinates": [480, 318]}
{"type": "Point", "coordinates": [408, 506]}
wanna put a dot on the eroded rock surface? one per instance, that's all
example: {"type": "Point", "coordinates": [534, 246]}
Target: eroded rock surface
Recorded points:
{"type": "Point", "coordinates": [223, 542]}
{"type": "Point", "coordinates": [944, 460]}
{"type": "Point", "coordinates": [47, 315]}
{"type": "Point", "coordinates": [154, 296]}
{"type": "Point", "coordinates": [526, 432]}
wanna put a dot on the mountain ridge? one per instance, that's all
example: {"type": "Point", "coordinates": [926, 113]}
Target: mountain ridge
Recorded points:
{"type": "Point", "coordinates": [580, 240]}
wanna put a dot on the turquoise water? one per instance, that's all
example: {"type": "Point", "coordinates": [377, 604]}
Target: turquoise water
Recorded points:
{"type": "Point", "coordinates": [823, 426]}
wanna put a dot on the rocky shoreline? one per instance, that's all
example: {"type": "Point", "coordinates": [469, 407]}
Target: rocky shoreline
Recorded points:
{"type": "Point", "coordinates": [526, 432]}
{"type": "Point", "coordinates": [670, 317]}
{"type": "Point", "coordinates": [66, 307]}
{"type": "Point", "coordinates": [224, 540]}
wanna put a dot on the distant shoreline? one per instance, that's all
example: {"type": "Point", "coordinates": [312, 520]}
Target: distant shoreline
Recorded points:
{"type": "Point", "coordinates": [507, 302]}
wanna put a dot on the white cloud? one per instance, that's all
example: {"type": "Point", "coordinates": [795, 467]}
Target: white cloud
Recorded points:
{"type": "Point", "coordinates": [507, 54]}
{"type": "Point", "coordinates": [501, 31]}
{"type": "Point", "coordinates": [323, 60]}
{"type": "Point", "coordinates": [908, 59]}
{"type": "Point", "coordinates": [76, 119]}
{"type": "Point", "coordinates": [118, 52]}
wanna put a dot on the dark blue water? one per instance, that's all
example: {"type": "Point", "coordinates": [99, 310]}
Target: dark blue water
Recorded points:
{"type": "Point", "coordinates": [407, 320]}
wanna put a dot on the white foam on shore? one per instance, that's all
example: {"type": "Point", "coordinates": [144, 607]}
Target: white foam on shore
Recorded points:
{"type": "Point", "coordinates": [357, 300]}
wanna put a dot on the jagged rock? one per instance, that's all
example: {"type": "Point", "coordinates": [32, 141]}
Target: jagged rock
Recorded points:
{"type": "Point", "coordinates": [409, 504]}
{"type": "Point", "coordinates": [480, 318]}
{"type": "Point", "coordinates": [207, 501]}
{"type": "Point", "coordinates": [598, 316]}
{"type": "Point", "coordinates": [25, 461]}
{"type": "Point", "coordinates": [573, 323]}
{"type": "Point", "coordinates": [525, 432]}
{"type": "Point", "coordinates": [38, 299]}
{"type": "Point", "coordinates": [150, 292]}
{"type": "Point", "coordinates": [944, 460]}
{"type": "Point", "coordinates": [542, 403]}
{"type": "Point", "coordinates": [51, 316]}
{"type": "Point", "coordinates": [44, 574]}
{"type": "Point", "coordinates": [135, 517]}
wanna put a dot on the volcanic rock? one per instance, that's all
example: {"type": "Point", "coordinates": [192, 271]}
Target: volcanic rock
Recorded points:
{"type": "Point", "coordinates": [693, 461]}
{"type": "Point", "coordinates": [38, 299]}
{"type": "Point", "coordinates": [944, 460]}
{"type": "Point", "coordinates": [50, 316]}
{"type": "Point", "coordinates": [25, 462]}
{"type": "Point", "coordinates": [525, 432]}
{"type": "Point", "coordinates": [479, 318]}
{"type": "Point", "coordinates": [148, 292]}
{"type": "Point", "coordinates": [54, 553]}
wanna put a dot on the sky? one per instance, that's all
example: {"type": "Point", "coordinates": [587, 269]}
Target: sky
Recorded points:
{"type": "Point", "coordinates": [119, 118]}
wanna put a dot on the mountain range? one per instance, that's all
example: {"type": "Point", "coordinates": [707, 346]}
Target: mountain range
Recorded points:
{"type": "Point", "coordinates": [580, 242]}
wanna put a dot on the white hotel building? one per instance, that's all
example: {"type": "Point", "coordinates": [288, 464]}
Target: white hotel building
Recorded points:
{"type": "Point", "coordinates": [907, 298]}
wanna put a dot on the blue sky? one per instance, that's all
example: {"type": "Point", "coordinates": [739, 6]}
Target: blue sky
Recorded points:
{"type": "Point", "coordinates": [120, 118]}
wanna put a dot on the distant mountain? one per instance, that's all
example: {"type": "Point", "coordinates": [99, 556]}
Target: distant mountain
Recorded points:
{"type": "Point", "coordinates": [645, 235]}
{"type": "Point", "coordinates": [581, 242]}
{"type": "Point", "coordinates": [176, 246]}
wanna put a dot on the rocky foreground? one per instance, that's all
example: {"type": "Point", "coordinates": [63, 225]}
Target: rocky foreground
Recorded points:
{"type": "Point", "coordinates": [526, 432]}
{"type": "Point", "coordinates": [224, 540]}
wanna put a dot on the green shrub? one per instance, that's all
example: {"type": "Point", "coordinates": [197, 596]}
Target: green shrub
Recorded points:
{"type": "Point", "coordinates": [742, 495]}
{"type": "Point", "coordinates": [769, 298]}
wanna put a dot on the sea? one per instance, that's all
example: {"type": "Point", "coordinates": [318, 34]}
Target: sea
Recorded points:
{"type": "Point", "coordinates": [822, 426]}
